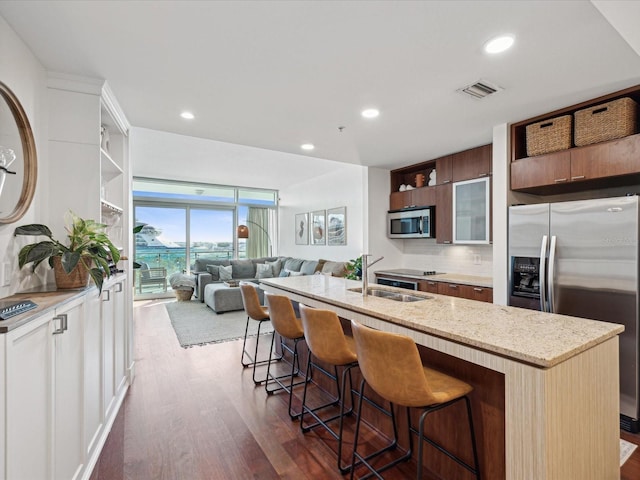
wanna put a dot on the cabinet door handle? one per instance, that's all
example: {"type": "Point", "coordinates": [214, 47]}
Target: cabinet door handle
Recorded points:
{"type": "Point", "coordinates": [63, 324]}
{"type": "Point", "coordinates": [119, 285]}
{"type": "Point", "coordinates": [453, 286]}
{"type": "Point", "coordinates": [108, 296]}
{"type": "Point", "coordinates": [446, 241]}
{"type": "Point", "coordinates": [477, 289]}
{"type": "Point", "coordinates": [483, 175]}
{"type": "Point", "coordinates": [577, 177]}
{"type": "Point", "coordinates": [560, 180]}
{"type": "Point", "coordinates": [431, 283]}
{"type": "Point", "coordinates": [446, 181]}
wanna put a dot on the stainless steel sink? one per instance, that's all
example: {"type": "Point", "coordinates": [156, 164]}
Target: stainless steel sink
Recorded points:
{"type": "Point", "coordinates": [395, 296]}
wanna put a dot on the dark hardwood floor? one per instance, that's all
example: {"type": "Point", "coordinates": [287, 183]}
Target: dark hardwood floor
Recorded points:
{"type": "Point", "coordinates": [195, 414]}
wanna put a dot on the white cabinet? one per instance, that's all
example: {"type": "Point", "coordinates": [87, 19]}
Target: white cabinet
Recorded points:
{"type": "Point", "coordinates": [44, 387]}
{"type": "Point", "coordinates": [93, 355]}
{"type": "Point", "coordinates": [68, 391]}
{"type": "Point", "coordinates": [63, 379]}
{"type": "Point", "coordinates": [471, 211]}
{"type": "Point", "coordinates": [119, 334]}
{"type": "Point", "coordinates": [28, 400]}
{"type": "Point", "coordinates": [88, 152]}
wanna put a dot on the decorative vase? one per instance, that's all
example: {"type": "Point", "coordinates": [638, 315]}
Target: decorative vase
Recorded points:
{"type": "Point", "coordinates": [419, 180]}
{"type": "Point", "coordinates": [78, 278]}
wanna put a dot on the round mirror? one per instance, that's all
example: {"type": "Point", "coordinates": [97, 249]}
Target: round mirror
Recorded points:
{"type": "Point", "coordinates": [18, 164]}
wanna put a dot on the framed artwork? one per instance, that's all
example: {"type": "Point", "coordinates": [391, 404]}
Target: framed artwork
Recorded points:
{"type": "Point", "coordinates": [337, 226]}
{"type": "Point", "coordinates": [302, 229]}
{"type": "Point", "coordinates": [317, 228]}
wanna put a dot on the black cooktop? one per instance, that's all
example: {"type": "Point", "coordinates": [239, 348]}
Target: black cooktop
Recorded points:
{"type": "Point", "coordinates": [412, 272]}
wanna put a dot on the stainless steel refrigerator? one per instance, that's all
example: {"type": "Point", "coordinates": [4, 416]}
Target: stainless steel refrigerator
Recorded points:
{"type": "Point", "coordinates": [580, 258]}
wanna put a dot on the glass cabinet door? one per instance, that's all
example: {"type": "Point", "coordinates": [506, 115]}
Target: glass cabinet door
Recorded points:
{"type": "Point", "coordinates": [471, 211]}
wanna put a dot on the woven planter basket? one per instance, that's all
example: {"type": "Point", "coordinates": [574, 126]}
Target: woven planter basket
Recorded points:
{"type": "Point", "coordinates": [78, 278]}
{"type": "Point", "coordinates": [606, 121]}
{"type": "Point", "coordinates": [184, 295]}
{"type": "Point", "coordinates": [549, 136]}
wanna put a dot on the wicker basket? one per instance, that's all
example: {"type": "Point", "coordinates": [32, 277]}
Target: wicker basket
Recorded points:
{"type": "Point", "coordinates": [78, 278]}
{"type": "Point", "coordinates": [184, 295]}
{"type": "Point", "coordinates": [549, 136]}
{"type": "Point", "coordinates": [606, 121]}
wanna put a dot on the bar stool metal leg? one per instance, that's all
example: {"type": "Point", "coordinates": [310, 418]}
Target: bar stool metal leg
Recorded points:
{"type": "Point", "coordinates": [253, 359]}
{"type": "Point", "coordinates": [295, 371]}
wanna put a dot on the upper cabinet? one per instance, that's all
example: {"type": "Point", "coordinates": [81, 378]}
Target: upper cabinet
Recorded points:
{"type": "Point", "coordinates": [445, 172]}
{"type": "Point", "coordinates": [88, 150]}
{"type": "Point", "coordinates": [605, 164]}
{"type": "Point", "coordinates": [471, 213]}
{"type": "Point", "coordinates": [470, 164]}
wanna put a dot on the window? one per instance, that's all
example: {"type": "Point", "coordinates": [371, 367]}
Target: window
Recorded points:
{"type": "Point", "coordinates": [184, 221]}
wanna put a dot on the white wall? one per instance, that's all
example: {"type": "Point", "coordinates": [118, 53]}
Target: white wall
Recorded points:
{"type": "Point", "coordinates": [343, 186]}
{"type": "Point", "coordinates": [304, 183]}
{"type": "Point", "coordinates": [25, 76]}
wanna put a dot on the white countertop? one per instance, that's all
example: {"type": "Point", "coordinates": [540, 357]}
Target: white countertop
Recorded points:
{"type": "Point", "coordinates": [473, 280]}
{"type": "Point", "coordinates": [540, 339]}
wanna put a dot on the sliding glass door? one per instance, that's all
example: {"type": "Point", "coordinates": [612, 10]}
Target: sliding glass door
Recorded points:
{"type": "Point", "coordinates": [211, 233]}
{"type": "Point", "coordinates": [159, 247]}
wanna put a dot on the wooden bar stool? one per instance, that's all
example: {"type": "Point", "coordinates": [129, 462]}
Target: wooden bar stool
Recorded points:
{"type": "Point", "coordinates": [287, 325]}
{"type": "Point", "coordinates": [260, 314]}
{"type": "Point", "coordinates": [328, 343]}
{"type": "Point", "coordinates": [391, 366]}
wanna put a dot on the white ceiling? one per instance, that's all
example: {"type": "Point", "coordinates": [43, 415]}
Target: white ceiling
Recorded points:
{"type": "Point", "coordinates": [276, 74]}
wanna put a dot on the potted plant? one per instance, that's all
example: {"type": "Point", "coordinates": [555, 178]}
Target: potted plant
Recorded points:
{"type": "Point", "coordinates": [354, 269]}
{"type": "Point", "coordinates": [88, 253]}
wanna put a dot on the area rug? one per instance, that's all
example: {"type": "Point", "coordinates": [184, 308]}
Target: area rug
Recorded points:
{"type": "Point", "coordinates": [196, 324]}
{"type": "Point", "coordinates": [626, 449]}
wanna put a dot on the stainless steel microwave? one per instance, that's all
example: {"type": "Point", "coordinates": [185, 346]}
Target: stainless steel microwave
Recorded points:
{"type": "Point", "coordinates": [411, 223]}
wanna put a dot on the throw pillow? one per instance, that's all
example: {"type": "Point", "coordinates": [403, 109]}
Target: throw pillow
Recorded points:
{"type": "Point", "coordinates": [243, 269]}
{"type": "Point", "coordinates": [283, 273]}
{"type": "Point", "coordinates": [276, 266]}
{"type": "Point", "coordinates": [293, 264]}
{"type": "Point", "coordinates": [291, 273]}
{"type": "Point", "coordinates": [213, 270]}
{"type": "Point", "coordinates": [225, 272]}
{"type": "Point", "coordinates": [336, 269]}
{"type": "Point", "coordinates": [264, 270]}
{"type": "Point", "coordinates": [308, 267]}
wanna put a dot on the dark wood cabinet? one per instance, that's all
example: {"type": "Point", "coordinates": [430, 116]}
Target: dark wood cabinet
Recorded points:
{"type": "Point", "coordinates": [428, 286]}
{"type": "Point", "coordinates": [482, 294]}
{"type": "Point", "coordinates": [540, 171]}
{"type": "Point", "coordinates": [473, 163]}
{"type": "Point", "coordinates": [617, 157]}
{"type": "Point", "coordinates": [590, 164]}
{"type": "Point", "coordinates": [444, 213]}
{"type": "Point", "coordinates": [444, 170]}
{"type": "Point", "coordinates": [418, 197]}
{"type": "Point", "coordinates": [471, 292]}
{"type": "Point", "coordinates": [607, 164]}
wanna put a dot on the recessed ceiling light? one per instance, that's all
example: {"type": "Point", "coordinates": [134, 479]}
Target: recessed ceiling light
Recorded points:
{"type": "Point", "coordinates": [499, 44]}
{"type": "Point", "coordinates": [307, 146]}
{"type": "Point", "coordinates": [370, 113]}
{"type": "Point", "coordinates": [187, 115]}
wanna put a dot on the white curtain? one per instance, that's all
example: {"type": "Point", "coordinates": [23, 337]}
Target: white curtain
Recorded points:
{"type": "Point", "coordinates": [259, 239]}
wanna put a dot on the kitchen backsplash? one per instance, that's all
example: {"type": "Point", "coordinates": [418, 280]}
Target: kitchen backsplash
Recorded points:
{"type": "Point", "coordinates": [463, 259]}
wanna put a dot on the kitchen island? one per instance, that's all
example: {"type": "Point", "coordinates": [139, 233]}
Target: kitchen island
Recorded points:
{"type": "Point", "coordinates": [546, 393]}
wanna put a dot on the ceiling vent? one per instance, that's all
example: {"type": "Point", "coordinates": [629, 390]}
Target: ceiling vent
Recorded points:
{"type": "Point", "coordinates": [480, 89]}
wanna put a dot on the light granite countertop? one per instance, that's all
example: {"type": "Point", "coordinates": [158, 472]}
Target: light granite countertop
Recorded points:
{"type": "Point", "coordinates": [540, 339]}
{"type": "Point", "coordinates": [473, 280]}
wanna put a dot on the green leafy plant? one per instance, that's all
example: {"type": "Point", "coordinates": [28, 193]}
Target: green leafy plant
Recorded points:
{"type": "Point", "coordinates": [88, 246]}
{"type": "Point", "coordinates": [137, 229]}
{"type": "Point", "coordinates": [354, 269]}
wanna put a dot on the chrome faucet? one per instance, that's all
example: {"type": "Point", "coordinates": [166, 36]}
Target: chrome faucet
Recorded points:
{"type": "Point", "coordinates": [365, 273]}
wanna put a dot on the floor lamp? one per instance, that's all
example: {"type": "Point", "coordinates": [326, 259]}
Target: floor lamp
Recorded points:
{"type": "Point", "coordinates": [243, 232]}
